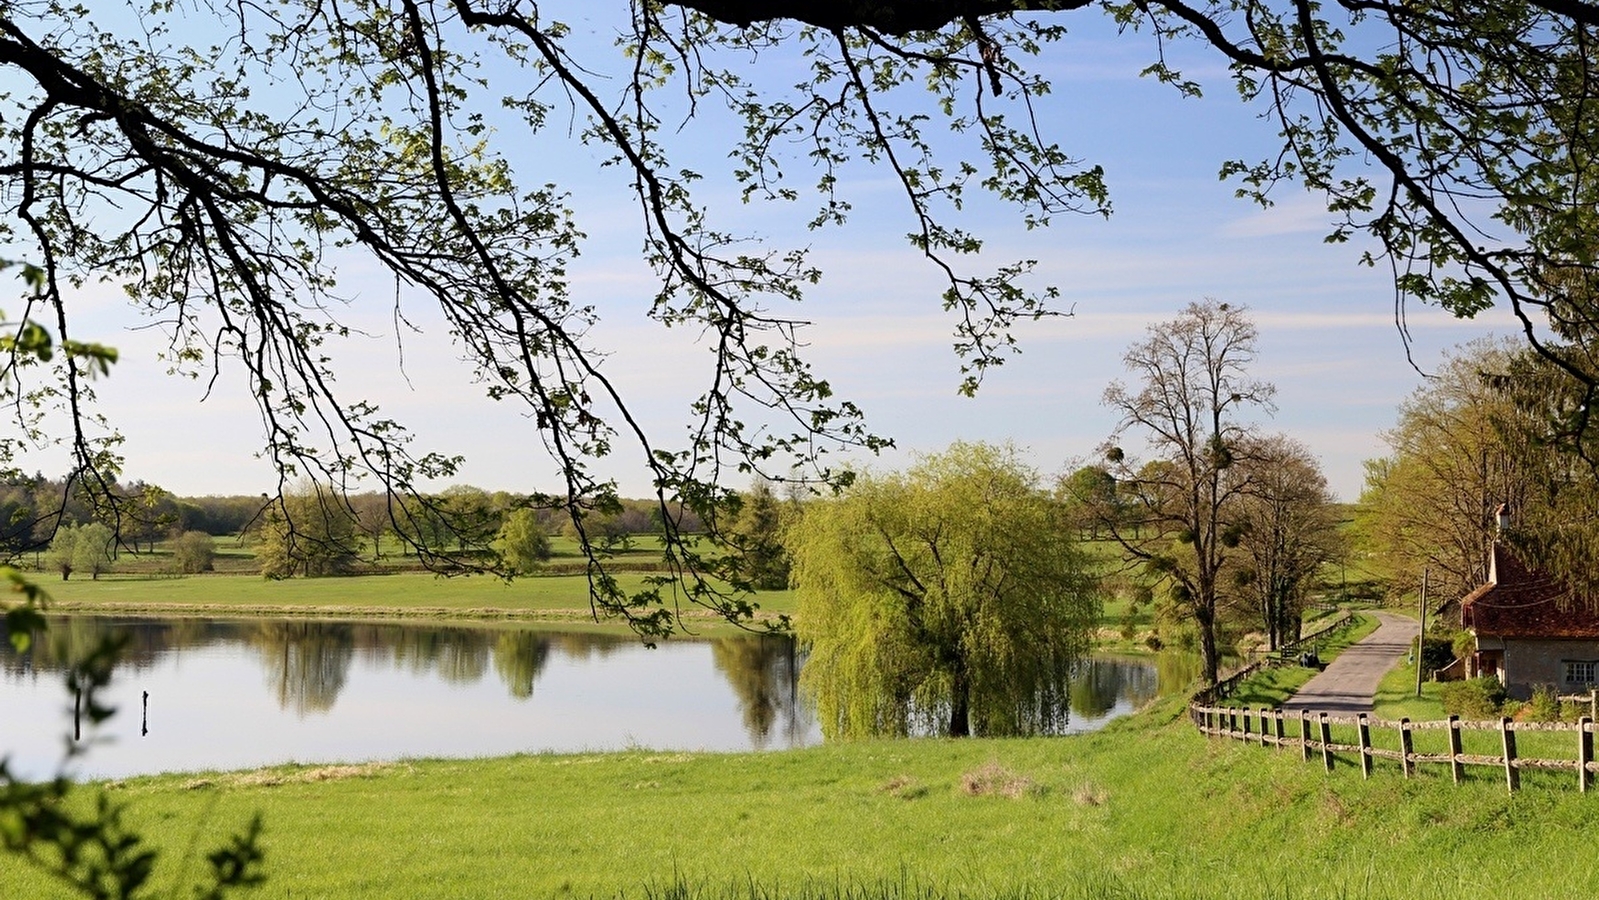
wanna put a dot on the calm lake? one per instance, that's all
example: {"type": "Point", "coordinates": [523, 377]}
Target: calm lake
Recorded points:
{"type": "Point", "coordinates": [226, 694]}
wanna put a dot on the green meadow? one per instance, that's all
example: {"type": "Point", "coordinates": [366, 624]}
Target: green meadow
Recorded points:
{"type": "Point", "coordinates": [556, 598]}
{"type": "Point", "coordinates": [1146, 809]}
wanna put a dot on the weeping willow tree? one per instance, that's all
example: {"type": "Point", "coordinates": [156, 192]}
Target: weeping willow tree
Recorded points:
{"type": "Point", "coordinates": [951, 598]}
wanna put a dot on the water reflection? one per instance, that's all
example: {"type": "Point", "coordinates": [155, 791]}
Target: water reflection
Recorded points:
{"type": "Point", "coordinates": [306, 663]}
{"type": "Point", "coordinates": [382, 690]}
{"type": "Point", "coordinates": [764, 674]}
{"type": "Point", "coordinates": [519, 657]}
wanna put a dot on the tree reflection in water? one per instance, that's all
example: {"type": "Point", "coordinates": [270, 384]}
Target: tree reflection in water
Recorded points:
{"type": "Point", "coordinates": [1102, 682]}
{"type": "Point", "coordinates": [763, 671]}
{"type": "Point", "coordinates": [306, 663]}
{"type": "Point", "coordinates": [519, 658]}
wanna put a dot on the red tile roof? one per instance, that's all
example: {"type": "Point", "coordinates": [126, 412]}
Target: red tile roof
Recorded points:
{"type": "Point", "coordinates": [1522, 602]}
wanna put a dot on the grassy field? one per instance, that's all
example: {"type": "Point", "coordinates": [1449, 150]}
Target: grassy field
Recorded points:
{"type": "Point", "coordinates": [1146, 809]}
{"type": "Point", "coordinates": [543, 598]}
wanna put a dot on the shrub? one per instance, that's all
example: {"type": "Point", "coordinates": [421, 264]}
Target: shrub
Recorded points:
{"type": "Point", "coordinates": [1436, 652]}
{"type": "Point", "coordinates": [1474, 698]}
{"type": "Point", "coordinates": [193, 552]}
{"type": "Point", "coordinates": [1544, 705]}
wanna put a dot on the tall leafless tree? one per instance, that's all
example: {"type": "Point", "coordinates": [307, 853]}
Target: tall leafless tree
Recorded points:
{"type": "Point", "coordinates": [1191, 388]}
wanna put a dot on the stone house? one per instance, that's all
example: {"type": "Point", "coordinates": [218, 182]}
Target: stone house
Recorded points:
{"type": "Point", "coordinates": [1530, 630]}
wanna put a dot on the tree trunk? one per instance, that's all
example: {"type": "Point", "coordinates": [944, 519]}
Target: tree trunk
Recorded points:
{"type": "Point", "coordinates": [1206, 619]}
{"type": "Point", "coordinates": [960, 705]}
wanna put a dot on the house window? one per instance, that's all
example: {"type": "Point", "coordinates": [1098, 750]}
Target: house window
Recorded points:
{"type": "Point", "coordinates": [1581, 671]}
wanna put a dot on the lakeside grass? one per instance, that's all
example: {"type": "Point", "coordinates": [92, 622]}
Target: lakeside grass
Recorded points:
{"type": "Point", "coordinates": [1146, 809]}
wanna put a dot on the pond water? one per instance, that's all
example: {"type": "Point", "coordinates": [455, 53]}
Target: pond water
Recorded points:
{"type": "Point", "coordinates": [199, 694]}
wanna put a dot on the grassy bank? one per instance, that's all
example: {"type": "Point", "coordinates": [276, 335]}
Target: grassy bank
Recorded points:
{"type": "Point", "coordinates": [1148, 809]}
{"type": "Point", "coordinates": [544, 598]}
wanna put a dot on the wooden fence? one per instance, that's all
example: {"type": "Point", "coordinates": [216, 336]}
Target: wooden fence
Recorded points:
{"type": "Point", "coordinates": [1311, 733]}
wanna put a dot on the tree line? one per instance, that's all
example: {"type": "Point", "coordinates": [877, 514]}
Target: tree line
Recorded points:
{"type": "Point", "coordinates": [312, 529]}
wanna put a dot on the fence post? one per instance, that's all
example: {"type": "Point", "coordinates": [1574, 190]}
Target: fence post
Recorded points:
{"type": "Point", "coordinates": [1232, 721]}
{"type": "Point", "coordinates": [1456, 769]}
{"type": "Point", "coordinates": [1326, 742]}
{"type": "Point", "coordinates": [1277, 717]}
{"type": "Point", "coordinates": [1584, 753]}
{"type": "Point", "coordinates": [1304, 735]}
{"type": "Point", "coordinates": [1405, 746]}
{"type": "Point", "coordinates": [1365, 747]}
{"type": "Point", "coordinates": [1246, 724]}
{"type": "Point", "coordinates": [1264, 714]}
{"type": "Point", "coordinates": [1508, 738]}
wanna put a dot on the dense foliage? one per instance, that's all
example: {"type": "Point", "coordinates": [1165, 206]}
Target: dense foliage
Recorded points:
{"type": "Point", "coordinates": [950, 598]}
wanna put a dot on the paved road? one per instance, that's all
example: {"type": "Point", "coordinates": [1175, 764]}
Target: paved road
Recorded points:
{"type": "Point", "coordinates": [1349, 683]}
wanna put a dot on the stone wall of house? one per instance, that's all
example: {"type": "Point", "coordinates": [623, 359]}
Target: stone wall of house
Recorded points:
{"type": "Point", "coordinates": [1528, 663]}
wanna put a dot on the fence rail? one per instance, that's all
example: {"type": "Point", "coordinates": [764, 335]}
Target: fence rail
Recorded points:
{"type": "Point", "coordinates": [1312, 736]}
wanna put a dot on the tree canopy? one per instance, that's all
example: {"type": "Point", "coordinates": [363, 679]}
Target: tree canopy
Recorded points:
{"type": "Point", "coordinates": [950, 598]}
{"type": "Point", "coordinates": [221, 161]}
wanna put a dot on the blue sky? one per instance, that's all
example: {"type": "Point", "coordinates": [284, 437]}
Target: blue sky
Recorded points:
{"type": "Point", "coordinates": [1328, 338]}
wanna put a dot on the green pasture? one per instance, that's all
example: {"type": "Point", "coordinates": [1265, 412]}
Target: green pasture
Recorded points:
{"type": "Point", "coordinates": [1147, 809]}
{"type": "Point", "coordinates": [399, 595]}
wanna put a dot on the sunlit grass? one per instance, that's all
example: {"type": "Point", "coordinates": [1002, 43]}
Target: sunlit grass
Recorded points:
{"type": "Point", "coordinates": [1146, 809]}
{"type": "Point", "coordinates": [405, 594]}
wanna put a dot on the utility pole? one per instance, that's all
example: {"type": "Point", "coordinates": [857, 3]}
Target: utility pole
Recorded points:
{"type": "Point", "coordinates": [1421, 636]}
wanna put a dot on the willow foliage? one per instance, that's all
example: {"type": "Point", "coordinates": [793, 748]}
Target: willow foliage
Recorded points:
{"type": "Point", "coordinates": [950, 598]}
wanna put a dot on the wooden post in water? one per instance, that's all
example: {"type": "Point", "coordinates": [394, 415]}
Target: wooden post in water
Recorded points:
{"type": "Point", "coordinates": [1365, 747]}
{"type": "Point", "coordinates": [77, 714]}
{"type": "Point", "coordinates": [1584, 753]}
{"type": "Point", "coordinates": [1406, 750]}
{"type": "Point", "coordinates": [1304, 735]}
{"type": "Point", "coordinates": [1456, 768]}
{"type": "Point", "coordinates": [1326, 743]}
{"type": "Point", "coordinates": [1508, 739]}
